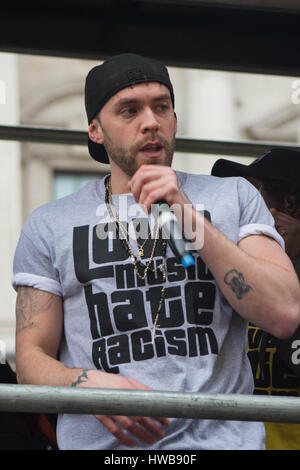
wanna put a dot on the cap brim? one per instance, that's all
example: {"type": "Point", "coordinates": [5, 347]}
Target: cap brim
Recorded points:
{"type": "Point", "coordinates": [224, 167]}
{"type": "Point", "coordinates": [97, 151]}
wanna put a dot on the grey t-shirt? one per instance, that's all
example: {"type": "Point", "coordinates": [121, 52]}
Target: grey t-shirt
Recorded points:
{"type": "Point", "coordinates": [200, 345]}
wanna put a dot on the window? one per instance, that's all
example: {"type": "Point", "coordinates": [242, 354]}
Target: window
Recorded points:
{"type": "Point", "coordinates": [65, 183]}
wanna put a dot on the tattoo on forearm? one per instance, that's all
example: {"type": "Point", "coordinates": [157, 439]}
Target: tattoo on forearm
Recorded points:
{"type": "Point", "coordinates": [31, 303]}
{"type": "Point", "coordinates": [81, 378]}
{"type": "Point", "coordinates": [236, 281]}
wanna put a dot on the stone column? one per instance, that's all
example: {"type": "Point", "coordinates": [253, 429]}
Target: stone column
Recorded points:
{"type": "Point", "coordinates": [10, 199]}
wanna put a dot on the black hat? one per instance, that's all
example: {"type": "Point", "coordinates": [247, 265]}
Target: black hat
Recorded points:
{"type": "Point", "coordinates": [116, 73]}
{"type": "Point", "coordinates": [278, 164]}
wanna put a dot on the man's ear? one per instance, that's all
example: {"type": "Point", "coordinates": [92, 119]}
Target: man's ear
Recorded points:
{"type": "Point", "coordinates": [95, 132]}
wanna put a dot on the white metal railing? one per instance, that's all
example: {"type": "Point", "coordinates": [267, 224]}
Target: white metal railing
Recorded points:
{"type": "Point", "coordinates": [38, 399]}
{"type": "Point", "coordinates": [75, 137]}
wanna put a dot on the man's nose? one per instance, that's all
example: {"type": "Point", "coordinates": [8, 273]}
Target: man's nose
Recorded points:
{"type": "Point", "coordinates": [150, 122]}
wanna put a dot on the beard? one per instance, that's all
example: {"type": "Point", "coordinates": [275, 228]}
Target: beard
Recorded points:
{"type": "Point", "coordinates": [126, 158]}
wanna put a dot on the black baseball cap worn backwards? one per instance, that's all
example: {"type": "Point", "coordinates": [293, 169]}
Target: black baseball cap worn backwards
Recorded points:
{"type": "Point", "coordinates": [115, 74]}
{"type": "Point", "coordinates": [277, 164]}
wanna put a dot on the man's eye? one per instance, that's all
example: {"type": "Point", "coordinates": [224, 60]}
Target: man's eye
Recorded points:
{"type": "Point", "coordinates": [163, 107]}
{"type": "Point", "coordinates": [128, 111]}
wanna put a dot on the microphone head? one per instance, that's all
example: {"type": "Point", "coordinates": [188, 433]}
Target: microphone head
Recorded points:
{"type": "Point", "coordinates": [187, 261]}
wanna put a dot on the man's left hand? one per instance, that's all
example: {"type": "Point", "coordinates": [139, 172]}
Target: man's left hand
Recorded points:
{"type": "Point", "coordinates": [289, 228]}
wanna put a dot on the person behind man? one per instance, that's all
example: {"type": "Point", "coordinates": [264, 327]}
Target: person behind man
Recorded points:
{"type": "Point", "coordinates": [275, 363]}
{"type": "Point", "coordinates": [24, 431]}
{"type": "Point", "coordinates": [100, 307]}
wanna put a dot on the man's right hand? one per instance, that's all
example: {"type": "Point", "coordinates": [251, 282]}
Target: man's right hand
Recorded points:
{"type": "Point", "coordinates": [39, 318]}
{"type": "Point", "coordinates": [125, 428]}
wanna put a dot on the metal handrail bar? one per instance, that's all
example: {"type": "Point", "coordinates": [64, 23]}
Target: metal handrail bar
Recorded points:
{"type": "Point", "coordinates": [185, 145]}
{"type": "Point", "coordinates": [234, 407]}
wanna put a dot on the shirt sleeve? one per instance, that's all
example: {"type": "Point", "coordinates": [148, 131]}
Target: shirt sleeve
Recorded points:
{"type": "Point", "coordinates": [255, 218]}
{"type": "Point", "coordinates": [33, 264]}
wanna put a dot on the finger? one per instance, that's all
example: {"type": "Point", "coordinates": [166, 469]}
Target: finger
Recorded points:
{"type": "Point", "coordinates": [151, 426]}
{"type": "Point", "coordinates": [115, 430]}
{"type": "Point", "coordinates": [138, 184]}
{"type": "Point", "coordinates": [146, 174]}
{"type": "Point", "coordinates": [166, 192]}
{"type": "Point", "coordinates": [143, 172]}
{"type": "Point", "coordinates": [148, 189]}
{"type": "Point", "coordinates": [146, 171]}
{"type": "Point", "coordinates": [163, 421]}
{"type": "Point", "coordinates": [131, 426]}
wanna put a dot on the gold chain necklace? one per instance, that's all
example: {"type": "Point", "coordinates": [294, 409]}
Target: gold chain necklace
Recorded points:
{"type": "Point", "coordinates": [124, 232]}
{"type": "Point", "coordinates": [123, 228]}
{"type": "Point", "coordinates": [120, 227]}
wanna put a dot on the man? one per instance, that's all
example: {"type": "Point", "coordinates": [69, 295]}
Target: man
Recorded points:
{"type": "Point", "coordinates": [275, 363]}
{"type": "Point", "coordinates": [121, 311]}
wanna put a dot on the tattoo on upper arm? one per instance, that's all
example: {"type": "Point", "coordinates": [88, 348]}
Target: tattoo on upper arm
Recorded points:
{"type": "Point", "coordinates": [81, 378]}
{"type": "Point", "coordinates": [30, 303]}
{"type": "Point", "coordinates": [236, 281]}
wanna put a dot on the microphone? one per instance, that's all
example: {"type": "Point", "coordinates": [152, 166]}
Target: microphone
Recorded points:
{"type": "Point", "coordinates": [172, 232]}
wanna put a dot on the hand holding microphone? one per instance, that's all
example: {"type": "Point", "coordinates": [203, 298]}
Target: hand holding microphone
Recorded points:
{"type": "Point", "coordinates": [172, 232]}
{"type": "Point", "coordinates": [155, 187]}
